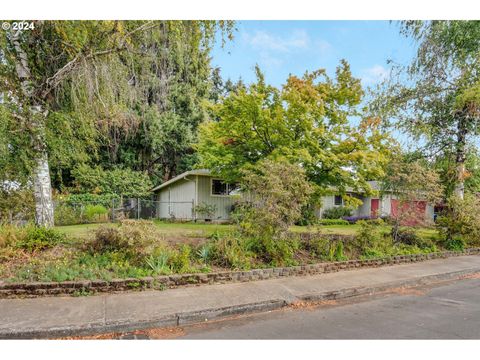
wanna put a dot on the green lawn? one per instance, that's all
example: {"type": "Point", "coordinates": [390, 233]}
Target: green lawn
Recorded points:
{"type": "Point", "coordinates": [199, 230]}
{"type": "Point", "coordinates": [168, 229]}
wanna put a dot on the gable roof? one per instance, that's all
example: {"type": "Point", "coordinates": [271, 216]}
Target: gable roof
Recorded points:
{"type": "Point", "coordinates": [201, 172]}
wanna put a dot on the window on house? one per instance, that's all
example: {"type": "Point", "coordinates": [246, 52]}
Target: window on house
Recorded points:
{"type": "Point", "coordinates": [338, 200]}
{"type": "Point", "coordinates": [221, 188]}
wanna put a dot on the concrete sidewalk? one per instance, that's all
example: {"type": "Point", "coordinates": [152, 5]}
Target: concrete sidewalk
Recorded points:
{"type": "Point", "coordinates": [64, 316]}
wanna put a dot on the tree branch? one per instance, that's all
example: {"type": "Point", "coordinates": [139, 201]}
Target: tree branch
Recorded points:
{"type": "Point", "coordinates": [53, 81]}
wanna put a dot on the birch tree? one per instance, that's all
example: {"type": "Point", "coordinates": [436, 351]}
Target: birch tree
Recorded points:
{"type": "Point", "coordinates": [87, 68]}
{"type": "Point", "coordinates": [437, 97]}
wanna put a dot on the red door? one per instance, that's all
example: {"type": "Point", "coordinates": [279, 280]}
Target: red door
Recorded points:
{"type": "Point", "coordinates": [374, 206]}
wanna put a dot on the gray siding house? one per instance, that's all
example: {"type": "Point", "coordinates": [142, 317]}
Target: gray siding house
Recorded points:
{"type": "Point", "coordinates": [178, 197]}
{"type": "Point", "coordinates": [381, 205]}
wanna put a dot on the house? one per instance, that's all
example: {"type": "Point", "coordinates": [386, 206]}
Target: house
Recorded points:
{"type": "Point", "coordinates": [379, 206]}
{"type": "Point", "coordinates": [179, 197]}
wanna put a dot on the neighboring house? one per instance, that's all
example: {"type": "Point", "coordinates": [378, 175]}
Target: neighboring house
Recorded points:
{"type": "Point", "coordinates": [381, 205]}
{"type": "Point", "coordinates": [178, 197]}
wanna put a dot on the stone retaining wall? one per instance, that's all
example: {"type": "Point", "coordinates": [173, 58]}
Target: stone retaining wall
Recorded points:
{"type": "Point", "coordinates": [85, 287]}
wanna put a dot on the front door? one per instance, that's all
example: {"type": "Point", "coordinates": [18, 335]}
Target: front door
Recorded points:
{"type": "Point", "coordinates": [374, 206]}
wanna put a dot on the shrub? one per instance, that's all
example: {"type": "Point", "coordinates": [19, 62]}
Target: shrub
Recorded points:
{"type": "Point", "coordinates": [180, 260]}
{"type": "Point", "coordinates": [10, 235]}
{"type": "Point", "coordinates": [95, 213]}
{"type": "Point", "coordinates": [461, 219]}
{"type": "Point", "coordinates": [80, 199]}
{"type": "Point", "coordinates": [233, 252]}
{"type": "Point", "coordinates": [338, 254]}
{"type": "Point", "coordinates": [327, 222]}
{"type": "Point", "coordinates": [355, 219]}
{"type": "Point", "coordinates": [134, 236]}
{"type": "Point", "coordinates": [308, 216]}
{"type": "Point", "coordinates": [67, 215]}
{"type": "Point", "coordinates": [326, 249]}
{"type": "Point", "coordinates": [275, 192]}
{"type": "Point", "coordinates": [16, 204]}
{"type": "Point", "coordinates": [279, 252]}
{"type": "Point", "coordinates": [207, 211]}
{"type": "Point", "coordinates": [408, 236]}
{"type": "Point", "coordinates": [39, 238]}
{"type": "Point", "coordinates": [337, 212]}
{"type": "Point", "coordinates": [125, 182]}
{"type": "Point", "coordinates": [456, 243]}
{"type": "Point", "coordinates": [370, 235]}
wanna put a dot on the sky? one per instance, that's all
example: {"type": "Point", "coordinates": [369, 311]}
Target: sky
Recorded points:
{"type": "Point", "coordinates": [292, 47]}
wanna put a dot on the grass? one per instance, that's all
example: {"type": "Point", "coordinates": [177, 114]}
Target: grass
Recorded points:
{"type": "Point", "coordinates": [168, 229]}
{"type": "Point", "coordinates": [200, 230]}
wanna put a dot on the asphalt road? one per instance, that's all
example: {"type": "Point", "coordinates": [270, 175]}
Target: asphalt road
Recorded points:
{"type": "Point", "coordinates": [450, 311]}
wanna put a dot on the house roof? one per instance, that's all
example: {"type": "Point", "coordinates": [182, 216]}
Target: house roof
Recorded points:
{"type": "Point", "coordinates": [201, 172]}
{"type": "Point", "coordinates": [375, 185]}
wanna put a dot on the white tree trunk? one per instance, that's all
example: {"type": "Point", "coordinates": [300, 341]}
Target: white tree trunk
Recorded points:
{"type": "Point", "coordinates": [41, 172]}
{"type": "Point", "coordinates": [43, 192]}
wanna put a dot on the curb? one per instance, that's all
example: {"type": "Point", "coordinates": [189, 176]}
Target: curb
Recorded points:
{"type": "Point", "coordinates": [195, 317]}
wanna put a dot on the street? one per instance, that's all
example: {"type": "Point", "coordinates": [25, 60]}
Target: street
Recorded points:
{"type": "Point", "coordinates": [451, 311]}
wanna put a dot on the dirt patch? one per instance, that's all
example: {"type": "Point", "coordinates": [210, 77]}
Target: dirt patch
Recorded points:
{"type": "Point", "coordinates": [311, 305]}
{"type": "Point", "coordinates": [406, 291]}
{"type": "Point", "coordinates": [167, 333]}
{"type": "Point", "coordinates": [155, 333]}
{"type": "Point", "coordinates": [108, 336]}
{"type": "Point", "coordinates": [471, 276]}
{"type": "Point", "coordinates": [176, 239]}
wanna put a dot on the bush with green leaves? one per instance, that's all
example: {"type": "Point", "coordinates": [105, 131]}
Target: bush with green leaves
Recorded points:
{"type": "Point", "coordinates": [16, 205]}
{"type": "Point", "coordinates": [280, 252]}
{"type": "Point", "coordinates": [336, 212]}
{"type": "Point", "coordinates": [33, 238]}
{"type": "Point", "coordinates": [124, 182]}
{"type": "Point", "coordinates": [409, 236]}
{"type": "Point", "coordinates": [326, 249]}
{"type": "Point", "coordinates": [456, 243]}
{"type": "Point", "coordinates": [95, 213]}
{"type": "Point", "coordinates": [461, 219]}
{"type": "Point", "coordinates": [82, 199]}
{"type": "Point", "coordinates": [274, 194]}
{"type": "Point", "coordinates": [180, 260]}
{"type": "Point", "coordinates": [137, 237]}
{"type": "Point", "coordinates": [234, 252]}
{"type": "Point", "coordinates": [370, 233]}
{"type": "Point", "coordinates": [206, 211]}
{"type": "Point", "coordinates": [67, 215]}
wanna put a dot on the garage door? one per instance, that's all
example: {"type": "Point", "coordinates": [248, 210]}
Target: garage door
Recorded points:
{"type": "Point", "coordinates": [410, 213]}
